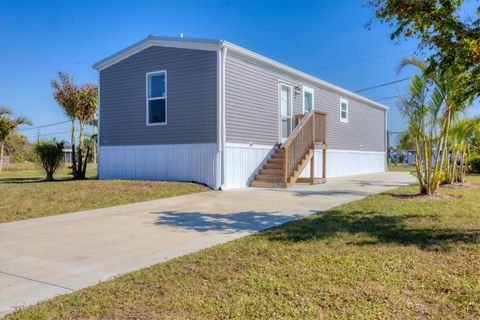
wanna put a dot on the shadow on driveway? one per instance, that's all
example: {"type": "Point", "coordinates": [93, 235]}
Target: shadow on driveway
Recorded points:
{"type": "Point", "coordinates": [246, 221]}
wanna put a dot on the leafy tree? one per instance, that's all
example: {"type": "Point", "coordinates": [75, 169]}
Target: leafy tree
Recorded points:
{"type": "Point", "coordinates": [50, 155]}
{"type": "Point", "coordinates": [449, 37]}
{"type": "Point", "coordinates": [8, 125]}
{"type": "Point", "coordinates": [19, 148]}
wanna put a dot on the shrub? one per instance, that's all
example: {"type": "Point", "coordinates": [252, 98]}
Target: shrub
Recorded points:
{"type": "Point", "coordinates": [49, 154]}
{"type": "Point", "coordinates": [474, 164]}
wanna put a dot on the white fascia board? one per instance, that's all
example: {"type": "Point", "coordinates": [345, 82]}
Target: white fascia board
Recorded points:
{"type": "Point", "coordinates": [267, 61]}
{"type": "Point", "coordinates": [151, 41]}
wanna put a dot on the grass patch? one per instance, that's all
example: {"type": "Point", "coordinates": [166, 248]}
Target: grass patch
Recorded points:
{"type": "Point", "coordinates": [25, 195]}
{"type": "Point", "coordinates": [381, 257]}
{"type": "Point", "coordinates": [401, 168]}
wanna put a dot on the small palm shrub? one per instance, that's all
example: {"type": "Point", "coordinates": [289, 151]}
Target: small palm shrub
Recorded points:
{"type": "Point", "coordinates": [474, 164]}
{"type": "Point", "coordinates": [49, 155]}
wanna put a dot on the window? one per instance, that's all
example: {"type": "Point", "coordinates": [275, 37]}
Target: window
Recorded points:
{"type": "Point", "coordinates": [344, 110]}
{"type": "Point", "coordinates": [157, 98]}
{"type": "Point", "coordinates": [307, 99]}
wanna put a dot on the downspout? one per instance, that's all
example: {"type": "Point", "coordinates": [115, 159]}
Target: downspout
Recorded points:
{"type": "Point", "coordinates": [98, 127]}
{"type": "Point", "coordinates": [222, 105]}
{"type": "Point", "coordinates": [219, 164]}
{"type": "Point", "coordinates": [386, 140]}
{"type": "Point", "coordinates": [221, 55]}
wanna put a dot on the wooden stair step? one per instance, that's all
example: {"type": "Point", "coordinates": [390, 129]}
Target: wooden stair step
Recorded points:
{"type": "Point", "coordinates": [273, 166]}
{"type": "Point", "coordinates": [269, 171]}
{"type": "Point", "coordinates": [267, 184]}
{"type": "Point", "coordinates": [271, 178]}
{"type": "Point", "coordinates": [275, 161]}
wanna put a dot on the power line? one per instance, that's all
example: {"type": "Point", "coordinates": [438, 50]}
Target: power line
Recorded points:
{"type": "Point", "coordinates": [46, 134]}
{"type": "Point", "coordinates": [360, 60]}
{"type": "Point", "coordinates": [45, 125]}
{"type": "Point", "coordinates": [382, 85]}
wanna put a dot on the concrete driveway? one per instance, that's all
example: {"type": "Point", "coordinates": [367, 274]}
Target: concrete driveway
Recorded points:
{"type": "Point", "coordinates": [44, 257]}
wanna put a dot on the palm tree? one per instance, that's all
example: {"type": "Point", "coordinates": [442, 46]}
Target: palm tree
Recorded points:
{"type": "Point", "coordinates": [67, 96]}
{"type": "Point", "coordinates": [8, 126]}
{"type": "Point", "coordinates": [93, 138]}
{"type": "Point", "coordinates": [447, 87]}
{"type": "Point", "coordinates": [87, 109]}
{"type": "Point", "coordinates": [50, 156]}
{"type": "Point", "coordinates": [423, 113]}
{"type": "Point", "coordinates": [463, 133]}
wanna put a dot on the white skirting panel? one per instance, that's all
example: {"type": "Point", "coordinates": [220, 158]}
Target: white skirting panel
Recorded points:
{"type": "Point", "coordinates": [179, 162]}
{"type": "Point", "coordinates": [347, 162]}
{"type": "Point", "coordinates": [243, 162]}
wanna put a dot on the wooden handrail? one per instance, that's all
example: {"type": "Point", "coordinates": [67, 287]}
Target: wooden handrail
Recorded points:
{"type": "Point", "coordinates": [311, 129]}
{"type": "Point", "coordinates": [297, 129]}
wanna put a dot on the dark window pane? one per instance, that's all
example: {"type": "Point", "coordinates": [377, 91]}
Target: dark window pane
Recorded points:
{"type": "Point", "coordinates": [156, 86]}
{"type": "Point", "coordinates": [156, 111]}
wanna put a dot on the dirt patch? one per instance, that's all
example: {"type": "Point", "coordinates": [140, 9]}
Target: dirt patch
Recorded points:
{"type": "Point", "coordinates": [464, 185]}
{"type": "Point", "coordinates": [424, 197]}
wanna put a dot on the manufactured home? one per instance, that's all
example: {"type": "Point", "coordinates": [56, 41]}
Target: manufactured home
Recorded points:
{"type": "Point", "coordinates": [212, 112]}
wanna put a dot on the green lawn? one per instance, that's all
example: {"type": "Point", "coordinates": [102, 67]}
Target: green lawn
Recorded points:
{"type": "Point", "coordinates": [24, 195]}
{"type": "Point", "coordinates": [401, 168]}
{"type": "Point", "coordinates": [389, 256]}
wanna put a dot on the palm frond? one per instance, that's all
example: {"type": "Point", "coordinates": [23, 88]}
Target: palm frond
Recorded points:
{"type": "Point", "coordinates": [5, 111]}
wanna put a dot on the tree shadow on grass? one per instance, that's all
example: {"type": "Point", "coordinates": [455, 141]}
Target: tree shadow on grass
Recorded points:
{"type": "Point", "coordinates": [28, 180]}
{"type": "Point", "coordinates": [384, 229]}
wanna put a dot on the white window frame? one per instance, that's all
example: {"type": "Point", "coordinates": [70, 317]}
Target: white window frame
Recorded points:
{"type": "Point", "coordinates": [343, 101]}
{"type": "Point", "coordinates": [147, 100]}
{"type": "Point", "coordinates": [309, 90]}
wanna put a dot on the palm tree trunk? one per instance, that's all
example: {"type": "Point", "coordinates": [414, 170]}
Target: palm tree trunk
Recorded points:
{"type": "Point", "coordinates": [444, 145]}
{"type": "Point", "coordinates": [80, 152]}
{"type": "Point", "coordinates": [462, 167]}
{"type": "Point", "coordinates": [74, 160]}
{"type": "Point", "coordinates": [1, 156]}
{"type": "Point", "coordinates": [94, 146]}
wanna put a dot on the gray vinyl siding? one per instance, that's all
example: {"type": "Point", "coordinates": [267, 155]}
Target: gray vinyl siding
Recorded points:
{"type": "Point", "coordinates": [191, 98]}
{"type": "Point", "coordinates": [252, 111]}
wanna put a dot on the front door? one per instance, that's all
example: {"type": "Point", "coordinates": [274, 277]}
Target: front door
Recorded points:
{"type": "Point", "coordinates": [285, 119]}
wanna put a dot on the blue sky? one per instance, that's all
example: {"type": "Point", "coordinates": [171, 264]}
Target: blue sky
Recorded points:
{"type": "Point", "coordinates": [327, 39]}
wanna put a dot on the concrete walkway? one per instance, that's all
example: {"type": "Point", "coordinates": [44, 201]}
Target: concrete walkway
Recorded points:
{"type": "Point", "coordinates": [44, 257]}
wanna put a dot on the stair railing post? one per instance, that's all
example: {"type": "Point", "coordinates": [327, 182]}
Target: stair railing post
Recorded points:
{"type": "Point", "coordinates": [285, 165]}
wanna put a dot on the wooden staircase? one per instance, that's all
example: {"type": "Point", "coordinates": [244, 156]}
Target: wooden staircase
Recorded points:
{"type": "Point", "coordinates": [288, 161]}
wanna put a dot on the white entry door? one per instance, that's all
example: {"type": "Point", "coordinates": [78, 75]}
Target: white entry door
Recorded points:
{"type": "Point", "coordinates": [285, 119]}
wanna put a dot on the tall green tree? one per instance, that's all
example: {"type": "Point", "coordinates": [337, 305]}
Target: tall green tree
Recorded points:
{"type": "Point", "coordinates": [8, 125]}
{"type": "Point", "coordinates": [449, 36]}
